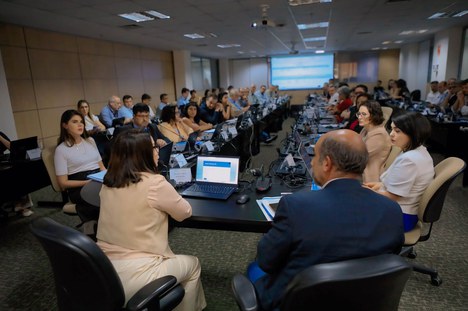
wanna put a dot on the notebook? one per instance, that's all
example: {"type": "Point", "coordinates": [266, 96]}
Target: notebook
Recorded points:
{"type": "Point", "coordinates": [216, 178]}
{"type": "Point", "coordinates": [19, 147]}
{"type": "Point", "coordinates": [99, 176]}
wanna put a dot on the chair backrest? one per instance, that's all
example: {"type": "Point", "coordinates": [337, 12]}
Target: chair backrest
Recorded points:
{"type": "Point", "coordinates": [371, 283]}
{"type": "Point", "coordinates": [84, 277]}
{"type": "Point", "coordinates": [394, 152]}
{"type": "Point", "coordinates": [432, 200]}
{"type": "Point", "coordinates": [415, 95]}
{"type": "Point", "coordinates": [48, 159]}
{"type": "Point", "coordinates": [387, 113]}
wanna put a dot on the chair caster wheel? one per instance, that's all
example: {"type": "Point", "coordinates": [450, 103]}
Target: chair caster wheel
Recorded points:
{"type": "Point", "coordinates": [412, 254]}
{"type": "Point", "coordinates": [436, 280]}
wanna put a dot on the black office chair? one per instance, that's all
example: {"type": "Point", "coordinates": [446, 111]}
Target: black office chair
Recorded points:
{"type": "Point", "coordinates": [415, 96]}
{"type": "Point", "coordinates": [371, 283]}
{"type": "Point", "coordinates": [86, 280]}
{"type": "Point", "coordinates": [429, 210]}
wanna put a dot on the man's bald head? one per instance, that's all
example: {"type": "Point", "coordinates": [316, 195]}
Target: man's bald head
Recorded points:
{"type": "Point", "coordinates": [347, 151]}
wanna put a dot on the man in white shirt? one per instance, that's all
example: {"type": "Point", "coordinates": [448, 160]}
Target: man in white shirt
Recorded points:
{"type": "Point", "coordinates": [433, 96]}
{"type": "Point", "coordinates": [333, 95]}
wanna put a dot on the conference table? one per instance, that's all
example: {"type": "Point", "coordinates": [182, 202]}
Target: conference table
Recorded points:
{"type": "Point", "coordinates": [219, 214]}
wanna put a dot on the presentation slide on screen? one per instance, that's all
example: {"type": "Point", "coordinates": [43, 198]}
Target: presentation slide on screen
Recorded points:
{"type": "Point", "coordinates": [216, 171]}
{"type": "Point", "coordinates": [301, 72]}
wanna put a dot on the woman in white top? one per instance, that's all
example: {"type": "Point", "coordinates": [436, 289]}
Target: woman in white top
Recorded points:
{"type": "Point", "coordinates": [375, 137]}
{"type": "Point", "coordinates": [76, 156]}
{"type": "Point", "coordinates": [412, 171]}
{"type": "Point", "coordinates": [136, 203]}
{"type": "Point", "coordinates": [92, 123]}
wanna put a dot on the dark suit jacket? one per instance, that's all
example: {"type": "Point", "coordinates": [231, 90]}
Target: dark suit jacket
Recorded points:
{"type": "Point", "coordinates": [211, 115]}
{"type": "Point", "coordinates": [339, 222]}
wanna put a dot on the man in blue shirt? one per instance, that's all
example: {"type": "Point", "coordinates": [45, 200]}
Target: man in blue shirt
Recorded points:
{"type": "Point", "coordinates": [183, 99]}
{"type": "Point", "coordinates": [111, 111]}
{"type": "Point", "coordinates": [164, 102]}
{"type": "Point", "coordinates": [126, 110]}
{"type": "Point", "coordinates": [261, 95]}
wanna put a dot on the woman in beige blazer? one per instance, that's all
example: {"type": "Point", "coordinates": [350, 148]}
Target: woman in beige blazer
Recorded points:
{"type": "Point", "coordinates": [133, 223]}
{"type": "Point", "coordinates": [375, 137]}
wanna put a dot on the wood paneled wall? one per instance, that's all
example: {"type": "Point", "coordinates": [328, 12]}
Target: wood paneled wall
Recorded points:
{"type": "Point", "coordinates": [48, 72]}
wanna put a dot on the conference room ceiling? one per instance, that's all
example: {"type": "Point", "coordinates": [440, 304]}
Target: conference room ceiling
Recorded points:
{"type": "Point", "coordinates": [353, 25]}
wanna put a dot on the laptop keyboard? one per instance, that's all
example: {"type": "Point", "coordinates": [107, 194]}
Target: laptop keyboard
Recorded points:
{"type": "Point", "coordinates": [218, 189]}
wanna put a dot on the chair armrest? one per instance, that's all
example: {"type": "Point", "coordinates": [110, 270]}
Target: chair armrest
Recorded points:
{"type": "Point", "coordinates": [150, 294]}
{"type": "Point", "coordinates": [244, 293]}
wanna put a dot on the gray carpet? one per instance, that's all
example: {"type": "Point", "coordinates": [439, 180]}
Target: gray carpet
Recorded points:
{"type": "Point", "coordinates": [27, 281]}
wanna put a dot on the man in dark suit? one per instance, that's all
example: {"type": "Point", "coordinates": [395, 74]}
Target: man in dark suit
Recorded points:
{"type": "Point", "coordinates": [141, 118]}
{"type": "Point", "coordinates": [341, 221]}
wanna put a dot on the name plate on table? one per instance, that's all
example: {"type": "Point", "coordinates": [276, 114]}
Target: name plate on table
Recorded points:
{"type": "Point", "coordinates": [180, 175]}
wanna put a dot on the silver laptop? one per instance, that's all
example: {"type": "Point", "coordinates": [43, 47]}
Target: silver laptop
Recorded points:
{"type": "Point", "coordinates": [216, 178]}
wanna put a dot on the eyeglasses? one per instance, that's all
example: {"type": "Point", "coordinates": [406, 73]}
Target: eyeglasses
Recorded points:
{"type": "Point", "coordinates": [361, 114]}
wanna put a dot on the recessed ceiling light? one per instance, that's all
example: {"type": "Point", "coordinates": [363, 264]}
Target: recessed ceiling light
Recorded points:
{"type": "Point", "coordinates": [406, 32]}
{"type": "Point", "coordinates": [240, 52]}
{"type": "Point", "coordinates": [438, 15]}
{"type": "Point", "coordinates": [319, 52]}
{"type": "Point", "coordinates": [194, 36]}
{"type": "Point", "coordinates": [313, 25]}
{"type": "Point", "coordinates": [386, 42]}
{"type": "Point", "coordinates": [376, 48]}
{"type": "Point", "coordinates": [302, 2]}
{"type": "Point", "coordinates": [157, 14]}
{"type": "Point", "coordinates": [399, 41]}
{"type": "Point", "coordinates": [422, 31]}
{"type": "Point", "coordinates": [315, 39]}
{"type": "Point", "coordinates": [460, 14]}
{"type": "Point", "coordinates": [226, 46]}
{"type": "Point", "coordinates": [136, 17]}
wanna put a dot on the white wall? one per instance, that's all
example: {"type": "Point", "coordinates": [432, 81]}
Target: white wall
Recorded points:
{"type": "Point", "coordinates": [7, 121]}
{"type": "Point", "coordinates": [245, 72]}
{"type": "Point", "coordinates": [182, 70]}
{"type": "Point", "coordinates": [414, 66]}
{"type": "Point", "coordinates": [446, 54]}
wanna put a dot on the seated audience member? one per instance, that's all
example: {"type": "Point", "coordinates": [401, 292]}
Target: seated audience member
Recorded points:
{"type": "Point", "coordinates": [261, 95]}
{"type": "Point", "coordinates": [412, 171]}
{"type": "Point", "coordinates": [172, 125]}
{"type": "Point", "coordinates": [344, 102]}
{"type": "Point", "coordinates": [236, 104]}
{"type": "Point", "coordinates": [212, 112]}
{"type": "Point", "coordinates": [110, 111]}
{"type": "Point", "coordinates": [133, 226]}
{"type": "Point", "coordinates": [251, 97]}
{"type": "Point", "coordinates": [378, 88]}
{"type": "Point", "coordinates": [461, 106]}
{"type": "Point", "coordinates": [313, 227]}
{"type": "Point", "coordinates": [333, 100]}
{"type": "Point", "coordinates": [433, 96]}
{"type": "Point", "coordinates": [141, 120]}
{"type": "Point", "coordinates": [353, 122]}
{"type": "Point", "coordinates": [193, 97]}
{"type": "Point", "coordinates": [449, 104]}
{"type": "Point", "coordinates": [400, 91]}
{"type": "Point", "coordinates": [203, 99]}
{"type": "Point", "coordinates": [77, 156]}
{"type": "Point", "coordinates": [164, 98]}
{"type": "Point", "coordinates": [126, 110]}
{"type": "Point", "coordinates": [443, 91]}
{"type": "Point", "coordinates": [24, 203]}
{"type": "Point", "coordinates": [146, 99]}
{"type": "Point", "coordinates": [184, 98]}
{"type": "Point", "coordinates": [223, 100]}
{"type": "Point", "coordinates": [192, 118]}
{"type": "Point", "coordinates": [325, 93]}
{"type": "Point", "coordinates": [92, 123]}
{"type": "Point", "coordinates": [375, 137]}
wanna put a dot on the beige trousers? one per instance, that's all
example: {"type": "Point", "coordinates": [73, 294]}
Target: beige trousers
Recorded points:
{"type": "Point", "coordinates": [135, 273]}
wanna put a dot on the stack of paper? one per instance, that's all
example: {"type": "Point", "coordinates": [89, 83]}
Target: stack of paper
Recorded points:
{"type": "Point", "coordinates": [268, 206]}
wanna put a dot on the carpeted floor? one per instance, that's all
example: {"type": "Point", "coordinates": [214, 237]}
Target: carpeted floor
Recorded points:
{"type": "Point", "coordinates": [27, 281]}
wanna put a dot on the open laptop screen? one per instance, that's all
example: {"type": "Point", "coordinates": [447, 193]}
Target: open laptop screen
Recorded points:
{"type": "Point", "coordinates": [217, 169]}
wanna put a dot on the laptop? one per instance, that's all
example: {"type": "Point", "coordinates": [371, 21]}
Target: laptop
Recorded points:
{"type": "Point", "coordinates": [216, 178]}
{"type": "Point", "coordinates": [19, 147]}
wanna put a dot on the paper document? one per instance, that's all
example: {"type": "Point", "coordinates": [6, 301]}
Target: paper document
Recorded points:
{"type": "Point", "coordinates": [268, 206]}
{"type": "Point", "coordinates": [99, 176]}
